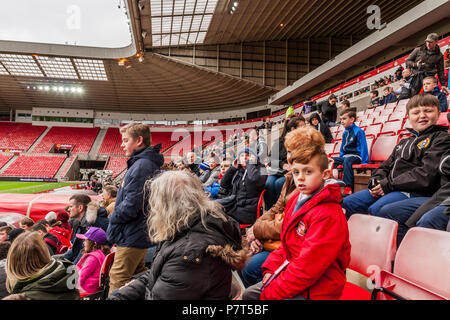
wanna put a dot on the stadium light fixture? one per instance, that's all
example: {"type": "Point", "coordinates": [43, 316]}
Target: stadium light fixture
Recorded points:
{"type": "Point", "coordinates": [233, 6]}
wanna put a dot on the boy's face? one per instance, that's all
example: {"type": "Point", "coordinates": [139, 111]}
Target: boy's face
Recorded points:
{"type": "Point", "coordinates": [309, 177]}
{"type": "Point", "coordinates": [346, 121]}
{"type": "Point", "coordinates": [423, 117]}
{"type": "Point", "coordinates": [24, 227]}
{"type": "Point", "coordinates": [243, 157]}
{"type": "Point", "coordinates": [315, 121]}
{"type": "Point", "coordinates": [224, 167]}
{"type": "Point", "coordinates": [386, 92]}
{"type": "Point", "coordinates": [129, 145]}
{"type": "Point", "coordinates": [428, 85]}
{"type": "Point", "coordinates": [3, 236]}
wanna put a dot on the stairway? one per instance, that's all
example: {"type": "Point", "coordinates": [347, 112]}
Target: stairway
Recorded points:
{"type": "Point", "coordinates": [93, 153]}
{"type": "Point", "coordinates": [64, 166]}
{"type": "Point", "coordinates": [8, 164]}
{"type": "Point", "coordinates": [38, 140]}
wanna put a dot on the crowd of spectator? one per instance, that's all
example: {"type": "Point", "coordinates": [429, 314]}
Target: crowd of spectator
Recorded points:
{"type": "Point", "coordinates": [177, 230]}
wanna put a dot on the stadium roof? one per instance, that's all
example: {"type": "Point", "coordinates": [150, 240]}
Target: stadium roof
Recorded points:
{"type": "Point", "coordinates": [162, 84]}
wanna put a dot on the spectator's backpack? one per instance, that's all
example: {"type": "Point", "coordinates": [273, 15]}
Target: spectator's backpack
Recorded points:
{"type": "Point", "coordinates": [63, 236]}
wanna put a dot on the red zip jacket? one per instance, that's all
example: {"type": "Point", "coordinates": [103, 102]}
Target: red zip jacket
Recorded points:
{"type": "Point", "coordinates": [315, 241]}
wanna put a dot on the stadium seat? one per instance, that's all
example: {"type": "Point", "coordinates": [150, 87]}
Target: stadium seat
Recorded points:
{"type": "Point", "coordinates": [380, 119]}
{"type": "Point", "coordinates": [81, 138]}
{"type": "Point", "coordinates": [391, 128]}
{"type": "Point", "coordinates": [390, 106]}
{"type": "Point", "coordinates": [334, 129]}
{"type": "Point", "coordinates": [4, 158]}
{"type": "Point", "coordinates": [397, 115]}
{"type": "Point", "coordinates": [19, 136]}
{"type": "Point", "coordinates": [386, 112]}
{"type": "Point", "coordinates": [420, 269]}
{"type": "Point", "coordinates": [102, 294]}
{"type": "Point", "coordinates": [374, 114]}
{"type": "Point", "coordinates": [116, 165]}
{"type": "Point", "coordinates": [373, 242]}
{"type": "Point", "coordinates": [339, 136]}
{"type": "Point", "coordinates": [360, 114]}
{"type": "Point", "coordinates": [373, 130]}
{"type": "Point", "coordinates": [111, 143]}
{"type": "Point", "coordinates": [34, 166]}
{"type": "Point", "coordinates": [366, 123]}
{"type": "Point", "coordinates": [329, 147]}
{"type": "Point", "coordinates": [443, 119]}
{"type": "Point", "coordinates": [383, 147]}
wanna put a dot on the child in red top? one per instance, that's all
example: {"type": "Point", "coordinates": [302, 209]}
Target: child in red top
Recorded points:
{"type": "Point", "coordinates": [314, 253]}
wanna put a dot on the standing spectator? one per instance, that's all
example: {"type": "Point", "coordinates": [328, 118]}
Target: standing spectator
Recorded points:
{"type": "Point", "coordinates": [31, 271]}
{"type": "Point", "coordinates": [191, 163]}
{"type": "Point", "coordinates": [328, 110]}
{"type": "Point", "coordinates": [257, 143]}
{"type": "Point", "coordinates": [317, 123]}
{"type": "Point", "coordinates": [4, 247]}
{"type": "Point", "coordinates": [91, 262]}
{"type": "Point", "coordinates": [430, 86]}
{"type": "Point", "coordinates": [346, 106]}
{"type": "Point", "coordinates": [127, 222]}
{"type": "Point", "coordinates": [109, 195]}
{"type": "Point", "coordinates": [199, 245]}
{"type": "Point", "coordinates": [428, 60]}
{"type": "Point", "coordinates": [404, 92]}
{"type": "Point", "coordinates": [26, 223]}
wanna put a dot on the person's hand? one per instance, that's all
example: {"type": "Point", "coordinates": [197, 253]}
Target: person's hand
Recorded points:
{"type": "Point", "coordinates": [402, 83]}
{"type": "Point", "coordinates": [266, 277]}
{"type": "Point", "coordinates": [252, 158]}
{"type": "Point", "coordinates": [255, 246]}
{"type": "Point", "coordinates": [235, 163]}
{"type": "Point", "coordinates": [286, 167]}
{"type": "Point", "coordinates": [420, 63]}
{"type": "Point", "coordinates": [250, 235]}
{"type": "Point", "coordinates": [377, 191]}
{"type": "Point", "coordinates": [445, 90]}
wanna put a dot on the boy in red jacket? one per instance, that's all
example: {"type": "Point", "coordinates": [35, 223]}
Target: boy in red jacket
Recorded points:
{"type": "Point", "coordinates": [315, 249]}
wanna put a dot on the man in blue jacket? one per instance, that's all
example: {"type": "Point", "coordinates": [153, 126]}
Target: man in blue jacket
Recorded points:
{"type": "Point", "coordinates": [353, 148]}
{"type": "Point", "coordinates": [127, 224]}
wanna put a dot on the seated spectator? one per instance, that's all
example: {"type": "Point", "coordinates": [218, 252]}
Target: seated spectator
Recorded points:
{"type": "Point", "coordinates": [430, 86]}
{"type": "Point", "coordinates": [4, 247]}
{"type": "Point", "coordinates": [346, 106]}
{"type": "Point", "coordinates": [52, 242]}
{"type": "Point", "coordinates": [30, 270]}
{"type": "Point", "coordinates": [191, 163]}
{"type": "Point", "coordinates": [84, 214]}
{"type": "Point", "coordinates": [26, 223]}
{"type": "Point", "coordinates": [314, 253]}
{"type": "Point", "coordinates": [109, 194]}
{"type": "Point", "coordinates": [353, 149]}
{"type": "Point", "coordinates": [388, 96]}
{"type": "Point", "coordinates": [4, 233]}
{"type": "Point", "coordinates": [63, 217]}
{"type": "Point", "coordinates": [214, 172]}
{"type": "Point", "coordinates": [258, 144]}
{"type": "Point", "coordinates": [90, 264]}
{"type": "Point", "coordinates": [14, 233]}
{"type": "Point", "coordinates": [264, 236]}
{"type": "Point", "coordinates": [317, 123]}
{"type": "Point", "coordinates": [51, 217]}
{"type": "Point", "coordinates": [374, 99]}
{"type": "Point", "coordinates": [213, 190]}
{"type": "Point", "coordinates": [404, 92]}
{"type": "Point", "coordinates": [200, 245]}
{"type": "Point", "coordinates": [244, 182]}
{"type": "Point", "coordinates": [205, 171]}
{"type": "Point", "coordinates": [410, 171]}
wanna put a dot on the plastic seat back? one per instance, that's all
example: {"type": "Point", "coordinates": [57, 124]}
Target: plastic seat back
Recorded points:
{"type": "Point", "coordinates": [383, 147]}
{"type": "Point", "coordinates": [374, 242]}
{"type": "Point", "coordinates": [390, 105]}
{"type": "Point", "coordinates": [373, 130]}
{"type": "Point", "coordinates": [443, 121]}
{"type": "Point", "coordinates": [391, 127]}
{"type": "Point", "coordinates": [366, 123]}
{"type": "Point", "coordinates": [329, 148]}
{"type": "Point", "coordinates": [424, 258]}
{"type": "Point", "coordinates": [397, 116]}
{"type": "Point", "coordinates": [381, 119]}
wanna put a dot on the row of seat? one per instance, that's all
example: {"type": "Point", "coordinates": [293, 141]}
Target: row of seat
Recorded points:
{"type": "Point", "coordinates": [116, 165]}
{"type": "Point", "coordinates": [34, 166]}
{"type": "Point", "coordinates": [417, 270]}
{"type": "Point", "coordinates": [19, 136]}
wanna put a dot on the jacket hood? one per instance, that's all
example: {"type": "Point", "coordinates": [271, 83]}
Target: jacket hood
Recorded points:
{"type": "Point", "coordinates": [221, 239]}
{"type": "Point", "coordinates": [93, 211]}
{"type": "Point", "coordinates": [151, 153]}
{"type": "Point", "coordinates": [53, 284]}
{"type": "Point", "coordinates": [431, 129]}
{"type": "Point", "coordinates": [331, 193]}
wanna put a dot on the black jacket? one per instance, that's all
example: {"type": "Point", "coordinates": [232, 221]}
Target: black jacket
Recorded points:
{"type": "Point", "coordinates": [127, 224]}
{"type": "Point", "coordinates": [329, 111]}
{"type": "Point", "coordinates": [324, 130]}
{"type": "Point", "coordinates": [246, 185]}
{"type": "Point", "coordinates": [411, 167]}
{"type": "Point", "coordinates": [278, 158]}
{"type": "Point", "coordinates": [434, 62]}
{"type": "Point", "coordinates": [441, 196]}
{"type": "Point", "coordinates": [195, 265]}
{"type": "Point", "coordinates": [3, 291]}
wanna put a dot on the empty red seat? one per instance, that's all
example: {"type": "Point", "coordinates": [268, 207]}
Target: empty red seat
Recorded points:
{"type": "Point", "coordinates": [366, 123]}
{"type": "Point", "coordinates": [373, 130]}
{"type": "Point", "coordinates": [391, 127]}
{"type": "Point", "coordinates": [381, 119]}
{"type": "Point", "coordinates": [111, 142]}
{"type": "Point", "coordinates": [420, 269]}
{"type": "Point", "coordinates": [19, 136]}
{"type": "Point", "coordinates": [81, 138]}
{"type": "Point", "coordinates": [329, 148]}
{"type": "Point", "coordinates": [383, 147]}
{"type": "Point", "coordinates": [34, 166]}
{"type": "Point", "coordinates": [116, 165]}
{"type": "Point", "coordinates": [390, 105]}
{"type": "Point", "coordinates": [397, 115]}
{"type": "Point", "coordinates": [443, 120]}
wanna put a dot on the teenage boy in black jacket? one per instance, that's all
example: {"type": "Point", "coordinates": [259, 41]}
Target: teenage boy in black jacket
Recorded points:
{"type": "Point", "coordinates": [410, 171]}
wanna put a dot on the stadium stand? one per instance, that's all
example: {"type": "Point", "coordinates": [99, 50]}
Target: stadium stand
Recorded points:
{"type": "Point", "coordinates": [111, 142]}
{"type": "Point", "coordinates": [4, 158]}
{"type": "Point", "coordinates": [18, 136]}
{"type": "Point", "coordinates": [81, 141]}
{"type": "Point", "coordinates": [116, 165]}
{"type": "Point", "coordinates": [34, 166]}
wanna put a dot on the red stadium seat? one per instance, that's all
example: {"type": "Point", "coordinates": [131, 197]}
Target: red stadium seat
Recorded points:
{"type": "Point", "coordinates": [116, 165]}
{"type": "Point", "coordinates": [19, 136]}
{"type": "Point", "coordinates": [443, 121]}
{"type": "Point", "coordinates": [373, 130]}
{"type": "Point", "coordinates": [390, 105]}
{"type": "Point", "coordinates": [374, 114]}
{"type": "Point", "coordinates": [102, 294]}
{"type": "Point", "coordinates": [391, 127]}
{"type": "Point", "coordinates": [366, 123]}
{"type": "Point", "coordinates": [386, 112]}
{"type": "Point", "coordinates": [329, 148]}
{"type": "Point", "coordinates": [34, 166]}
{"type": "Point", "coordinates": [81, 138]}
{"type": "Point", "coordinates": [397, 116]}
{"type": "Point", "coordinates": [381, 119]}
{"type": "Point", "coordinates": [334, 129]}
{"type": "Point", "coordinates": [339, 135]}
{"type": "Point", "coordinates": [420, 269]}
{"type": "Point", "coordinates": [383, 147]}
{"type": "Point", "coordinates": [373, 242]}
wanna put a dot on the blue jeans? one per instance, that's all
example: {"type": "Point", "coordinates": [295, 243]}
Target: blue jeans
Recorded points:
{"type": "Point", "coordinates": [363, 202]}
{"type": "Point", "coordinates": [401, 211]}
{"type": "Point", "coordinates": [274, 184]}
{"type": "Point", "coordinates": [434, 219]}
{"type": "Point", "coordinates": [252, 273]}
{"type": "Point", "coordinates": [347, 163]}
